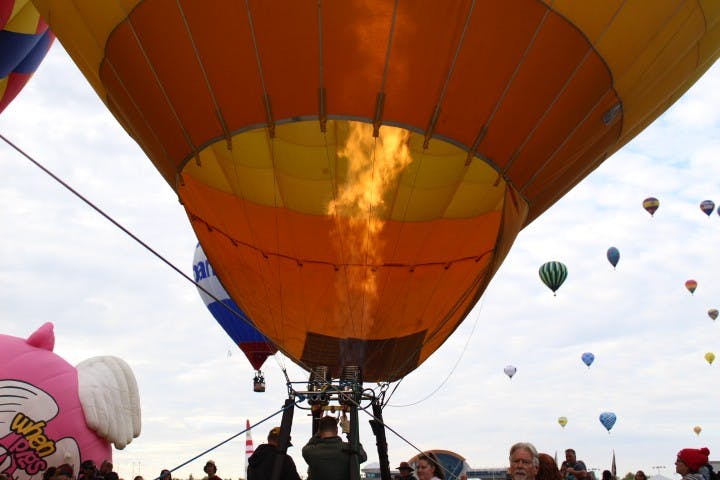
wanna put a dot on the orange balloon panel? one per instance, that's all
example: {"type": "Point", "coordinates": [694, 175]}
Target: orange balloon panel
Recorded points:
{"type": "Point", "coordinates": [382, 288]}
{"type": "Point", "coordinates": [356, 171]}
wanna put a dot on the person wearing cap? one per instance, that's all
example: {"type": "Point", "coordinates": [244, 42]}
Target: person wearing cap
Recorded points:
{"type": "Point", "coordinates": [689, 462]}
{"type": "Point", "coordinates": [262, 461]}
{"type": "Point", "coordinates": [405, 471]}
{"type": "Point", "coordinates": [327, 456]}
{"type": "Point", "coordinates": [211, 471]}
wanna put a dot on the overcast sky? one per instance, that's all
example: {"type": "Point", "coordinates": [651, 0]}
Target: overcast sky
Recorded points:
{"type": "Point", "coordinates": [62, 262]}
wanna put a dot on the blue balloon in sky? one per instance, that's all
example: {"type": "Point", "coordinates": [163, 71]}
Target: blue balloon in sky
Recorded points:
{"type": "Point", "coordinates": [588, 358]}
{"type": "Point", "coordinates": [608, 420]}
{"type": "Point", "coordinates": [613, 256]}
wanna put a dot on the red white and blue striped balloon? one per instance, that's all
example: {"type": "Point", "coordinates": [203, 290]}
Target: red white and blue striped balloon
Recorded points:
{"type": "Point", "coordinates": [231, 318]}
{"type": "Point", "coordinates": [24, 41]}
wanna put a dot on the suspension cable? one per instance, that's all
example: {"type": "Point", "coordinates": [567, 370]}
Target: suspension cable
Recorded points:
{"type": "Point", "coordinates": [285, 407]}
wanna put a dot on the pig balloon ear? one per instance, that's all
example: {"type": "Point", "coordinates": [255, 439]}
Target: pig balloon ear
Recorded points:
{"type": "Point", "coordinates": [43, 337]}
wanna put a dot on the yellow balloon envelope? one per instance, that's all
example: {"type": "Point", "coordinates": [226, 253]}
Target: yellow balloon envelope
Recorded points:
{"type": "Point", "coordinates": [562, 421]}
{"type": "Point", "coordinates": [357, 171]}
{"type": "Point", "coordinates": [710, 357]}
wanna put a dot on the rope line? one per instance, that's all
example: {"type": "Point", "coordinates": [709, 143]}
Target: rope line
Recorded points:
{"type": "Point", "coordinates": [121, 227]}
{"type": "Point", "coordinates": [452, 370]}
{"type": "Point", "coordinates": [170, 264]}
{"type": "Point", "coordinates": [231, 438]}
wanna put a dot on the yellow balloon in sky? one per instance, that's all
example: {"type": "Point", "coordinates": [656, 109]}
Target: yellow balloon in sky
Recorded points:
{"type": "Point", "coordinates": [562, 421]}
{"type": "Point", "coordinates": [710, 357]}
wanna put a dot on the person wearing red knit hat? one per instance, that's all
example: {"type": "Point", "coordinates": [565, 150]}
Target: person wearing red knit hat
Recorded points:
{"type": "Point", "coordinates": [689, 461]}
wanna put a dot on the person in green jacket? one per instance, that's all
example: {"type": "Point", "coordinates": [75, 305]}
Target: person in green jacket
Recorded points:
{"type": "Point", "coordinates": [327, 456]}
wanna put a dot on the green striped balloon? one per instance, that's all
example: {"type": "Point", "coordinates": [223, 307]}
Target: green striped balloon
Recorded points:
{"type": "Point", "coordinates": [553, 274]}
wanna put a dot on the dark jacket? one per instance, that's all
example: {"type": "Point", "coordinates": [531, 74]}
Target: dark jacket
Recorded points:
{"type": "Point", "coordinates": [260, 464]}
{"type": "Point", "coordinates": [329, 458]}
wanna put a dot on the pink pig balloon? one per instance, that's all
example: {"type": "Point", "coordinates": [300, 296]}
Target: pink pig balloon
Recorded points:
{"type": "Point", "coordinates": [43, 400]}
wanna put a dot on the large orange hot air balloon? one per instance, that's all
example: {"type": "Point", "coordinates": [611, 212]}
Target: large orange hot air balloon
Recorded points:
{"type": "Point", "coordinates": [357, 171]}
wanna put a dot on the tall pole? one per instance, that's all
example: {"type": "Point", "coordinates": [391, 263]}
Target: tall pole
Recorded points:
{"type": "Point", "coordinates": [354, 443]}
{"type": "Point", "coordinates": [284, 440]}
{"type": "Point", "coordinates": [378, 428]}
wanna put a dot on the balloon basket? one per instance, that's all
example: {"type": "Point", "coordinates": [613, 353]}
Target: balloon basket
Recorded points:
{"type": "Point", "coordinates": [259, 382]}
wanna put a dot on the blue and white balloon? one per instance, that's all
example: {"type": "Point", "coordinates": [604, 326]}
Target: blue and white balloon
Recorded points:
{"type": "Point", "coordinates": [608, 419]}
{"type": "Point", "coordinates": [588, 358]}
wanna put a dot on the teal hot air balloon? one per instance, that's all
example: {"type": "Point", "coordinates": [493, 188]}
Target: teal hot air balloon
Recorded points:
{"type": "Point", "coordinates": [613, 256]}
{"type": "Point", "coordinates": [553, 274]}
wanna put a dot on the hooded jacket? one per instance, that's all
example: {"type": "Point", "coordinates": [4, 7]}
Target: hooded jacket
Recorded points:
{"type": "Point", "coordinates": [261, 462]}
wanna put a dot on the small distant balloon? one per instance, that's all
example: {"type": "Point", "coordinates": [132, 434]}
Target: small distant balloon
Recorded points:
{"type": "Point", "coordinates": [510, 370]}
{"type": "Point", "coordinates": [651, 204]}
{"type": "Point", "coordinates": [707, 206]}
{"type": "Point", "coordinates": [588, 358]}
{"type": "Point", "coordinates": [697, 429]}
{"type": "Point", "coordinates": [713, 313]}
{"type": "Point", "coordinates": [613, 256]}
{"type": "Point", "coordinates": [562, 421]}
{"type": "Point", "coordinates": [553, 274]}
{"type": "Point", "coordinates": [608, 419]}
{"type": "Point", "coordinates": [691, 285]}
{"type": "Point", "coordinates": [710, 357]}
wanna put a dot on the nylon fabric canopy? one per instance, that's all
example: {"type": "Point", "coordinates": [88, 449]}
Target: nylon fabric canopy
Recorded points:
{"type": "Point", "coordinates": [356, 171]}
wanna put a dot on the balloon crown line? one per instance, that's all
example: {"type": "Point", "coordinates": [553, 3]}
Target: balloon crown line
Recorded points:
{"type": "Point", "coordinates": [302, 261]}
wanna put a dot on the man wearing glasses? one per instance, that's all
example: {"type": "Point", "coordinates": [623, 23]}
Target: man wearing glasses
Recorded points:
{"type": "Point", "coordinates": [524, 461]}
